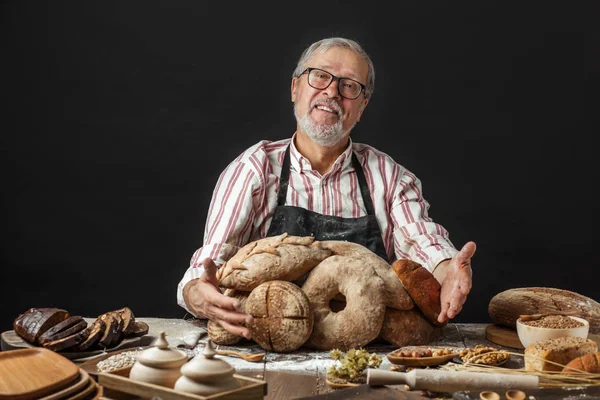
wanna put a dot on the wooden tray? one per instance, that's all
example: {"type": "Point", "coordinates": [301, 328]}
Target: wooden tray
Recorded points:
{"type": "Point", "coordinates": [12, 341]}
{"type": "Point", "coordinates": [252, 389]}
{"type": "Point", "coordinates": [420, 361]}
{"type": "Point", "coordinates": [33, 373]}
{"type": "Point", "coordinates": [503, 336]}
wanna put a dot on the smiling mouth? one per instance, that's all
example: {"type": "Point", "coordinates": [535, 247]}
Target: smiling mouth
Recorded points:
{"type": "Point", "coordinates": [326, 109]}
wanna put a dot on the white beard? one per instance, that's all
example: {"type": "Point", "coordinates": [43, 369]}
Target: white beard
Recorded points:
{"type": "Point", "coordinates": [322, 134]}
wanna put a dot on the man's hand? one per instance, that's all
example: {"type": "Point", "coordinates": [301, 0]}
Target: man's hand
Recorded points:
{"type": "Point", "coordinates": [203, 297]}
{"type": "Point", "coordinates": [455, 276]}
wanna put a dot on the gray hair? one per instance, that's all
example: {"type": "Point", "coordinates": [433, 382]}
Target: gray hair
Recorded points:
{"type": "Point", "coordinates": [326, 44]}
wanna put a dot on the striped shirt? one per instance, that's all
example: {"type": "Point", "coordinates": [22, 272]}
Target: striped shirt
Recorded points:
{"type": "Point", "coordinates": [245, 198]}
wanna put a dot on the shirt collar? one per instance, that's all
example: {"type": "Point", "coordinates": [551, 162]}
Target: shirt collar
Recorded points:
{"type": "Point", "coordinates": [301, 163]}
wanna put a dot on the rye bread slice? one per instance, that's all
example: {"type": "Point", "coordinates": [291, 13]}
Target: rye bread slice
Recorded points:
{"type": "Point", "coordinates": [117, 331]}
{"type": "Point", "coordinates": [139, 329]}
{"type": "Point", "coordinates": [36, 321]}
{"type": "Point", "coordinates": [80, 324]}
{"type": "Point", "coordinates": [67, 342]}
{"type": "Point", "coordinates": [94, 333]}
{"type": "Point", "coordinates": [128, 320]}
{"type": "Point", "coordinates": [109, 330]}
{"type": "Point", "coordinates": [60, 327]}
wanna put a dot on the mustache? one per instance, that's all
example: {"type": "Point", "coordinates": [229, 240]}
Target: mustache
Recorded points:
{"type": "Point", "coordinates": [329, 103]}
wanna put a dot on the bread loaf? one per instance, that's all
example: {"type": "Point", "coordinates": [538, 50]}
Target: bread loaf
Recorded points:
{"type": "Point", "coordinates": [506, 307]}
{"type": "Point", "coordinates": [395, 294]}
{"type": "Point", "coordinates": [283, 320]}
{"type": "Point", "coordinates": [360, 321]}
{"type": "Point", "coordinates": [280, 257]}
{"type": "Point", "coordinates": [588, 363]}
{"type": "Point", "coordinates": [422, 287]}
{"type": "Point", "coordinates": [540, 356]}
{"type": "Point", "coordinates": [407, 328]}
{"type": "Point", "coordinates": [36, 321]}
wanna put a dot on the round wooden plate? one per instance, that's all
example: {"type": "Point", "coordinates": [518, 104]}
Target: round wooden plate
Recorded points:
{"type": "Point", "coordinates": [421, 361]}
{"type": "Point", "coordinates": [82, 382]}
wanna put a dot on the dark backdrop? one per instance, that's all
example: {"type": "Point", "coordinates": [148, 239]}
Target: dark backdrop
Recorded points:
{"type": "Point", "coordinates": [119, 117]}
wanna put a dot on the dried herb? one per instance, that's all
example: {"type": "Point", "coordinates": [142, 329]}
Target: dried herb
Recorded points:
{"type": "Point", "coordinates": [350, 366]}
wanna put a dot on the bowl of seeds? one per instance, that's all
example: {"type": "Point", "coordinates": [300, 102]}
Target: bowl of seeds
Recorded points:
{"type": "Point", "coordinates": [533, 330]}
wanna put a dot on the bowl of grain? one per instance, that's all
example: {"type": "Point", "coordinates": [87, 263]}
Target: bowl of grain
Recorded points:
{"type": "Point", "coordinates": [551, 326]}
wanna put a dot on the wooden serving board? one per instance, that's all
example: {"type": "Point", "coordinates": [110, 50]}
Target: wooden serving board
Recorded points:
{"type": "Point", "coordinates": [503, 336]}
{"type": "Point", "coordinates": [12, 341]}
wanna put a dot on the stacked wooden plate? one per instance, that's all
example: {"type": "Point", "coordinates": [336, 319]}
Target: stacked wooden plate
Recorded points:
{"type": "Point", "coordinates": [39, 373]}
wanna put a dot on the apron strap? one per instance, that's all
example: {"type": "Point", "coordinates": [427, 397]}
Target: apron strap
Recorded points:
{"type": "Point", "coordinates": [360, 175]}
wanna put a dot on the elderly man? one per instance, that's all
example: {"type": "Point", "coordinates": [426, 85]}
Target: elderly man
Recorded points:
{"type": "Point", "coordinates": [319, 183]}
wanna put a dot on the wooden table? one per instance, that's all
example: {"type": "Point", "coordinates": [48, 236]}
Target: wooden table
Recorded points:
{"type": "Point", "coordinates": [301, 374]}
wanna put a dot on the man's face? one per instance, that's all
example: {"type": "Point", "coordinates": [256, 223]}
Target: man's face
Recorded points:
{"type": "Point", "coordinates": [323, 114]}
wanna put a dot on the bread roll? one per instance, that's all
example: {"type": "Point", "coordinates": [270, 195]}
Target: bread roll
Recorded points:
{"type": "Point", "coordinates": [422, 287]}
{"type": "Point", "coordinates": [506, 307]}
{"type": "Point", "coordinates": [588, 363]}
{"type": "Point", "coordinates": [540, 356]}
{"type": "Point", "coordinates": [283, 319]}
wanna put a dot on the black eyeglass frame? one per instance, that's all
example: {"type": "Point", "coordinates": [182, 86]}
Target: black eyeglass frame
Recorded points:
{"type": "Point", "coordinates": [363, 88]}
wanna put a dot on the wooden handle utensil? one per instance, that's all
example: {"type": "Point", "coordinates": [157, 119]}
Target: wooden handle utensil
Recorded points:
{"type": "Point", "coordinates": [534, 317]}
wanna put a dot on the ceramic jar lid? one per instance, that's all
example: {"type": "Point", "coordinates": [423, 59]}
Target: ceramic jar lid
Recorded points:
{"type": "Point", "coordinates": [160, 355]}
{"type": "Point", "coordinates": [205, 368]}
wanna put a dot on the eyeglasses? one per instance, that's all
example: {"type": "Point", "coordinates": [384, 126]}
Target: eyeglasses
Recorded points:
{"type": "Point", "coordinates": [319, 79]}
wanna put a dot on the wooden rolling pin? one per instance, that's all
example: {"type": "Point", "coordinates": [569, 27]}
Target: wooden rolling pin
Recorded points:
{"type": "Point", "coordinates": [451, 381]}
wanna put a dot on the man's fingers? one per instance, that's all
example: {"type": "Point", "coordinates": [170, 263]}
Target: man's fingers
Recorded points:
{"type": "Point", "coordinates": [467, 252]}
{"type": "Point", "coordinates": [210, 271]}
{"type": "Point", "coordinates": [236, 329]}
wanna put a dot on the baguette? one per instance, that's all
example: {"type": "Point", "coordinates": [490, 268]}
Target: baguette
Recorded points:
{"type": "Point", "coordinates": [588, 363]}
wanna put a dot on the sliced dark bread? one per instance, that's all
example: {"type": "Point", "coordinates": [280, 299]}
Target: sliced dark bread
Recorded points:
{"type": "Point", "coordinates": [63, 329]}
{"type": "Point", "coordinates": [68, 342]}
{"type": "Point", "coordinates": [95, 332]}
{"type": "Point", "coordinates": [36, 321]}
{"type": "Point", "coordinates": [139, 329]}
{"type": "Point", "coordinates": [117, 331]}
{"type": "Point", "coordinates": [110, 328]}
{"type": "Point", "coordinates": [128, 320]}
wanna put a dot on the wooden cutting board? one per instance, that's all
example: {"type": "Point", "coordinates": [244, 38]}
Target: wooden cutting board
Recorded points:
{"type": "Point", "coordinates": [503, 336]}
{"type": "Point", "coordinates": [33, 373]}
{"type": "Point", "coordinates": [11, 341]}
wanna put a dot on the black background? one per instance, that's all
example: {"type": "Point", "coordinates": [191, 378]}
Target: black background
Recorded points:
{"type": "Point", "coordinates": [119, 117]}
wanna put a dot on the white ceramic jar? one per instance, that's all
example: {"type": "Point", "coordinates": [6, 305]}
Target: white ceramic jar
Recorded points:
{"type": "Point", "coordinates": [205, 375]}
{"type": "Point", "coordinates": [159, 364]}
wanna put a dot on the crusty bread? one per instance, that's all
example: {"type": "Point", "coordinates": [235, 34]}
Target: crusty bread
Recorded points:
{"type": "Point", "coordinates": [540, 356]}
{"type": "Point", "coordinates": [422, 287]}
{"type": "Point", "coordinates": [280, 257]}
{"type": "Point", "coordinates": [36, 321]}
{"type": "Point", "coordinates": [407, 328]}
{"type": "Point", "coordinates": [588, 363]}
{"type": "Point", "coordinates": [360, 321]}
{"type": "Point", "coordinates": [283, 319]}
{"type": "Point", "coordinates": [216, 332]}
{"type": "Point", "coordinates": [395, 294]}
{"type": "Point", "coordinates": [506, 307]}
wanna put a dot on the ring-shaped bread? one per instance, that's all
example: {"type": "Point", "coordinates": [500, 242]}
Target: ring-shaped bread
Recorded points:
{"type": "Point", "coordinates": [361, 320]}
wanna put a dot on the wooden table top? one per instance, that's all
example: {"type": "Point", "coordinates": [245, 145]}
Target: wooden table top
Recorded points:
{"type": "Point", "coordinates": [302, 373]}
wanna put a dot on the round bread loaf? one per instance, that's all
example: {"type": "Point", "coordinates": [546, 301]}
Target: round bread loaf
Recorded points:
{"type": "Point", "coordinates": [283, 320]}
{"type": "Point", "coordinates": [407, 328]}
{"type": "Point", "coordinates": [506, 307]}
{"type": "Point", "coordinates": [360, 321]}
{"type": "Point", "coordinates": [422, 287]}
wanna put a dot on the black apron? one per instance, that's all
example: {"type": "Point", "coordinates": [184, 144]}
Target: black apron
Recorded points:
{"type": "Point", "coordinates": [298, 221]}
